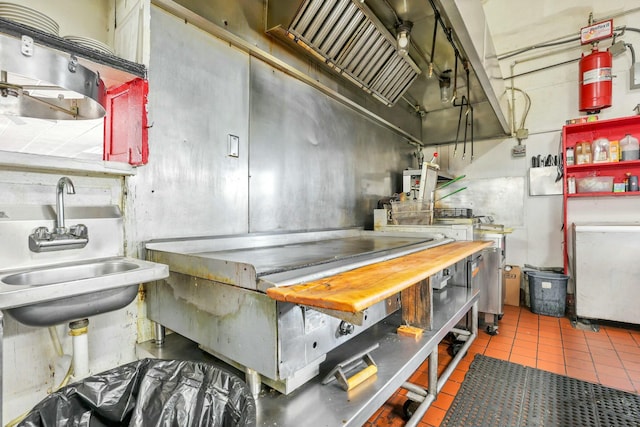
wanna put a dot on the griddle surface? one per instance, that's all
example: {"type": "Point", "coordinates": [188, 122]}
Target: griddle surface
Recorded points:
{"type": "Point", "coordinates": [279, 258]}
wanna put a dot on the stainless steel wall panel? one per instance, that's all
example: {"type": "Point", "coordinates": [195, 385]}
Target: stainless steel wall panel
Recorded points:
{"type": "Point", "coordinates": [246, 19]}
{"type": "Point", "coordinates": [307, 168]}
{"type": "Point", "coordinates": [199, 93]}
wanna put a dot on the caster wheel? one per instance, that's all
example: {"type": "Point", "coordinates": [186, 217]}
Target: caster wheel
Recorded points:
{"type": "Point", "coordinates": [454, 348]}
{"type": "Point", "coordinates": [500, 316]}
{"type": "Point", "coordinates": [492, 330]}
{"type": "Point", "coordinates": [409, 408]}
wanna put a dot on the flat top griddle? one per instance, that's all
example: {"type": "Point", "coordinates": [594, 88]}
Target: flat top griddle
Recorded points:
{"type": "Point", "coordinates": [264, 260]}
{"type": "Point", "coordinates": [293, 256]}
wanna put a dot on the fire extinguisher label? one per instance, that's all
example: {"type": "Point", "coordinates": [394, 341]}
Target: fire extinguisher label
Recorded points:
{"type": "Point", "coordinates": [596, 75]}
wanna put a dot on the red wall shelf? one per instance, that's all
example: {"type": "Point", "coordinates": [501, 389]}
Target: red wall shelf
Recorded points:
{"type": "Point", "coordinates": [612, 129]}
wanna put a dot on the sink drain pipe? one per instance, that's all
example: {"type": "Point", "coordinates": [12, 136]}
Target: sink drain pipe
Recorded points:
{"type": "Point", "coordinates": [79, 331]}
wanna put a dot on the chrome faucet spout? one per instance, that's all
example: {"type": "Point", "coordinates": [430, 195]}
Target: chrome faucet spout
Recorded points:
{"type": "Point", "coordinates": [62, 183]}
{"type": "Point", "coordinates": [61, 238]}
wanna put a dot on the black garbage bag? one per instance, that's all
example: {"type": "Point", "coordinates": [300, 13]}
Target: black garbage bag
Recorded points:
{"type": "Point", "coordinates": [150, 392]}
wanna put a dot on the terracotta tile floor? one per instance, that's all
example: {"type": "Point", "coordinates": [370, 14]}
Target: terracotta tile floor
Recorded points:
{"type": "Point", "coordinates": [610, 357]}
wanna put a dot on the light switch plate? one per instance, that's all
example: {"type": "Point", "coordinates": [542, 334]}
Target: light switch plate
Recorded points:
{"type": "Point", "coordinates": [233, 145]}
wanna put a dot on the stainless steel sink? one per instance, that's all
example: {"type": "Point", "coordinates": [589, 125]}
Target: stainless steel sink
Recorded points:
{"type": "Point", "coordinates": [54, 294]}
{"type": "Point", "coordinates": [66, 273]}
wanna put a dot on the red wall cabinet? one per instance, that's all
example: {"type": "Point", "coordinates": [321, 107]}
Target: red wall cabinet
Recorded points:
{"type": "Point", "coordinates": [125, 123]}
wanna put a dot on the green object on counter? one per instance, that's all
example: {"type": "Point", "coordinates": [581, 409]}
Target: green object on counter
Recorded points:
{"type": "Point", "coordinates": [451, 194]}
{"type": "Point", "coordinates": [458, 178]}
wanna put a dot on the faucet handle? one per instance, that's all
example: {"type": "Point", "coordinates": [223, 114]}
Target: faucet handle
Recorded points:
{"type": "Point", "coordinates": [42, 233]}
{"type": "Point", "coordinates": [79, 230]}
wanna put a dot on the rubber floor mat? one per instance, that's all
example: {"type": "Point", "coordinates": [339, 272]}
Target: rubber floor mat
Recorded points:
{"type": "Point", "coordinates": [499, 393]}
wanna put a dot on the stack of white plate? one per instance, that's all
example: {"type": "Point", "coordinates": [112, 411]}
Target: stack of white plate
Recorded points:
{"type": "Point", "coordinates": [90, 43]}
{"type": "Point", "coordinates": [26, 16]}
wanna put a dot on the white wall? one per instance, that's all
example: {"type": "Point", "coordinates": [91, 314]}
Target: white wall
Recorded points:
{"type": "Point", "coordinates": [554, 95]}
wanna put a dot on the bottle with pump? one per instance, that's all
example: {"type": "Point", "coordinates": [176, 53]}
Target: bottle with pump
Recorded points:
{"type": "Point", "coordinates": [434, 159]}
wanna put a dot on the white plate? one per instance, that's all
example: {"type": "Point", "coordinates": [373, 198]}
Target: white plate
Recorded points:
{"type": "Point", "coordinates": [30, 17]}
{"type": "Point", "coordinates": [90, 43]}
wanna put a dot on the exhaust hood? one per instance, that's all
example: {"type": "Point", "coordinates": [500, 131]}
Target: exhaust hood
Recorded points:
{"type": "Point", "coordinates": [348, 38]}
{"type": "Point", "coordinates": [451, 48]}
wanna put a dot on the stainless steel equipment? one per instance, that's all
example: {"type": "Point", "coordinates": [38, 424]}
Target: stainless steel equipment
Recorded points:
{"type": "Point", "coordinates": [397, 358]}
{"type": "Point", "coordinates": [415, 187]}
{"type": "Point", "coordinates": [354, 39]}
{"type": "Point", "coordinates": [606, 271]}
{"type": "Point", "coordinates": [215, 295]}
{"type": "Point", "coordinates": [492, 296]}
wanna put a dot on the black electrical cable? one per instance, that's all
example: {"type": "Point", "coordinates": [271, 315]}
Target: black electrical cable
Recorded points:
{"type": "Point", "coordinates": [447, 31]}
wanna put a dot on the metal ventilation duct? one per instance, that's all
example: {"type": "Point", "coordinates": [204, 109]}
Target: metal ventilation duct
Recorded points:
{"type": "Point", "coordinates": [347, 37]}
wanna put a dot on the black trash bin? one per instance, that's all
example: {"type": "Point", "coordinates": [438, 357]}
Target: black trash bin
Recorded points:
{"type": "Point", "coordinates": [150, 392]}
{"type": "Point", "coordinates": [547, 292]}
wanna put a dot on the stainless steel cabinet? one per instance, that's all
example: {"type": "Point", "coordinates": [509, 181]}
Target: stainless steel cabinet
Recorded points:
{"type": "Point", "coordinates": [607, 271]}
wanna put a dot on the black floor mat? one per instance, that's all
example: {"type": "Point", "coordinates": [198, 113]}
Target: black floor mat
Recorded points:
{"type": "Point", "coordinates": [499, 393]}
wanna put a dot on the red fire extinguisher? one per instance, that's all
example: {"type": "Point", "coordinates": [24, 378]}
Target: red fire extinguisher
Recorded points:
{"type": "Point", "coordinates": [595, 81]}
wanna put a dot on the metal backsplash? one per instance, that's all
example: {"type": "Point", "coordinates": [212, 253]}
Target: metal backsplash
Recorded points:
{"type": "Point", "coordinates": [305, 161]}
{"type": "Point", "coordinates": [18, 221]}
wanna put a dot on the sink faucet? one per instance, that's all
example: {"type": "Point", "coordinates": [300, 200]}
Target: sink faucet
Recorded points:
{"type": "Point", "coordinates": [77, 236]}
{"type": "Point", "coordinates": [62, 183]}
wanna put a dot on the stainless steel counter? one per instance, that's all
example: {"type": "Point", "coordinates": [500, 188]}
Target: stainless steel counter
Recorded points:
{"type": "Point", "coordinates": [314, 404]}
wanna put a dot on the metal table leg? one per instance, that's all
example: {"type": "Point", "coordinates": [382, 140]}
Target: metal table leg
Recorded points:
{"type": "Point", "coordinates": [431, 395]}
{"type": "Point", "coordinates": [159, 332]}
{"type": "Point", "coordinates": [427, 397]}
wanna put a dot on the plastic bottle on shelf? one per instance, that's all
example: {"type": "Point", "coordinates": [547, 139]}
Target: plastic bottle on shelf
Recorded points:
{"type": "Point", "coordinates": [583, 153]}
{"type": "Point", "coordinates": [600, 150]}
{"type": "Point", "coordinates": [629, 148]}
{"type": "Point", "coordinates": [571, 185]}
{"type": "Point", "coordinates": [588, 154]}
{"type": "Point", "coordinates": [579, 155]}
{"type": "Point", "coordinates": [570, 156]}
{"type": "Point", "coordinates": [614, 151]}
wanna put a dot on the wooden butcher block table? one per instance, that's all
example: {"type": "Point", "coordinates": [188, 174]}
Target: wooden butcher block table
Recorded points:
{"type": "Point", "coordinates": [355, 290]}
